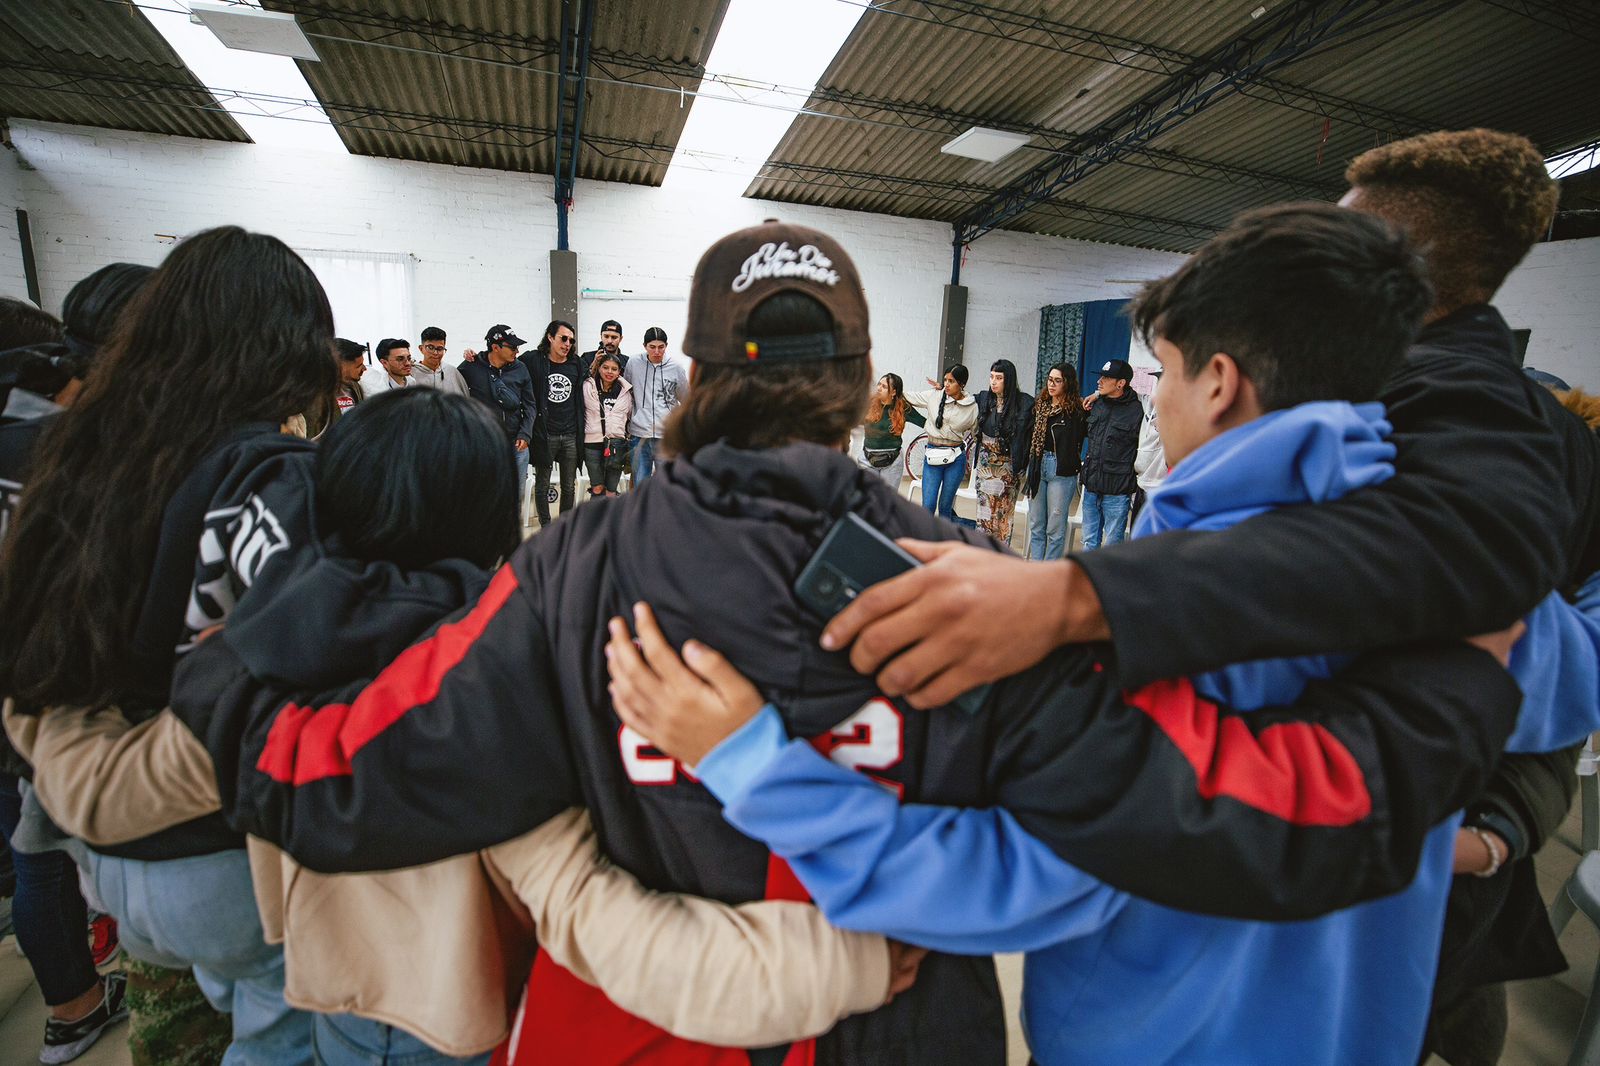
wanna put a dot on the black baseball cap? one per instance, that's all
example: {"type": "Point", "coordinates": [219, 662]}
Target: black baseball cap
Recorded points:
{"type": "Point", "coordinates": [1117, 368]}
{"type": "Point", "coordinates": [502, 334]}
{"type": "Point", "coordinates": [611, 323]}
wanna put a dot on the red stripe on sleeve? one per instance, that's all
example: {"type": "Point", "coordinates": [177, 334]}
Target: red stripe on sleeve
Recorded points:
{"type": "Point", "coordinates": [1296, 771]}
{"type": "Point", "coordinates": [308, 744]}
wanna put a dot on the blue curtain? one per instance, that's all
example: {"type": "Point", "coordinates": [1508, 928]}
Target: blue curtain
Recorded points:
{"type": "Point", "coordinates": [1060, 340]}
{"type": "Point", "coordinates": [1107, 334]}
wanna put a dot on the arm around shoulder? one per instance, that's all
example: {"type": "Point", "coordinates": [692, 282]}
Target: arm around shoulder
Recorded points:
{"type": "Point", "coordinates": [747, 976]}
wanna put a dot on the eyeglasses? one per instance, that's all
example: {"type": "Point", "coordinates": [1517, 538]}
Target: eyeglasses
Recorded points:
{"type": "Point", "coordinates": [435, 348]}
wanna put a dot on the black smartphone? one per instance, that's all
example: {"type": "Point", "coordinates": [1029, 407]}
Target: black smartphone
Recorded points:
{"type": "Point", "coordinates": [850, 558]}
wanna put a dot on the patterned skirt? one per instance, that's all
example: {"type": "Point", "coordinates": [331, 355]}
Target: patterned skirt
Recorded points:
{"type": "Point", "coordinates": [996, 486]}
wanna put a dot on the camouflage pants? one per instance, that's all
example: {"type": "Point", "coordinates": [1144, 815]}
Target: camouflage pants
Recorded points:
{"type": "Point", "coordinates": [172, 1023]}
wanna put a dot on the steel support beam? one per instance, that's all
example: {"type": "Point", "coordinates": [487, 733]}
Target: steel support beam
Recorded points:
{"type": "Point", "coordinates": [1296, 29]}
{"type": "Point", "coordinates": [577, 33]}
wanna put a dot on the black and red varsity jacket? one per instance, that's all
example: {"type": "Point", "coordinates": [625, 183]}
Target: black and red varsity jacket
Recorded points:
{"type": "Point", "coordinates": [499, 718]}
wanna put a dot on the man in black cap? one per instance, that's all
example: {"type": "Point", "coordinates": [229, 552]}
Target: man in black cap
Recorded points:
{"type": "Point", "coordinates": [1115, 416]}
{"type": "Point", "coordinates": [610, 344]}
{"type": "Point", "coordinates": [500, 381]}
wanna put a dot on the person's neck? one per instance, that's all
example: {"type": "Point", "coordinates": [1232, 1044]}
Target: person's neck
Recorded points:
{"type": "Point", "coordinates": [554, 358]}
{"type": "Point", "coordinates": [1441, 311]}
{"type": "Point", "coordinates": [500, 362]}
{"type": "Point", "coordinates": [432, 367]}
{"type": "Point", "coordinates": [398, 379]}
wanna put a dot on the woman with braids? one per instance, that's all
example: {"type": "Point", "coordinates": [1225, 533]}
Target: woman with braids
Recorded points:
{"type": "Point", "coordinates": [607, 406]}
{"type": "Point", "coordinates": [1058, 423]}
{"type": "Point", "coordinates": [1005, 414]}
{"type": "Point", "coordinates": [951, 414]}
{"type": "Point", "coordinates": [887, 416]}
{"type": "Point", "coordinates": [106, 581]}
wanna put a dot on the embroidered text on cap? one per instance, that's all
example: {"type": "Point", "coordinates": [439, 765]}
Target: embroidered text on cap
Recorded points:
{"type": "Point", "coordinates": [781, 261]}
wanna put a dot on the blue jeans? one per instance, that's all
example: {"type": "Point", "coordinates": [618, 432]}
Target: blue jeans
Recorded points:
{"type": "Point", "coordinates": [1047, 514]}
{"type": "Point", "coordinates": [1107, 515]}
{"type": "Point", "coordinates": [200, 912]}
{"type": "Point", "coordinates": [347, 1040]}
{"type": "Point", "coordinates": [48, 911]}
{"type": "Point", "coordinates": [644, 458]}
{"type": "Point", "coordinates": [939, 485]}
{"type": "Point", "coordinates": [522, 479]}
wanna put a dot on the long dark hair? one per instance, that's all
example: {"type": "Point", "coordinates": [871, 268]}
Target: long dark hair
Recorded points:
{"type": "Point", "coordinates": [233, 328]}
{"type": "Point", "coordinates": [1009, 390]}
{"type": "Point", "coordinates": [765, 405]}
{"type": "Point", "coordinates": [959, 372]}
{"type": "Point", "coordinates": [896, 405]}
{"type": "Point", "coordinates": [550, 331]}
{"type": "Point", "coordinates": [418, 475]}
{"type": "Point", "coordinates": [1044, 408]}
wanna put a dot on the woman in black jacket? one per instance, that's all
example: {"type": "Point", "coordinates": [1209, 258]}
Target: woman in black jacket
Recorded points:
{"type": "Point", "coordinates": [1005, 414]}
{"type": "Point", "coordinates": [1057, 441]}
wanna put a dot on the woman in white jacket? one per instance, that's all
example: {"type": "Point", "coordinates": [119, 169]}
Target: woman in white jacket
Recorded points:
{"type": "Point", "coordinates": [607, 405]}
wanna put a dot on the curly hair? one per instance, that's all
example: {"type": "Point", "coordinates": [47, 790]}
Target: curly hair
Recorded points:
{"type": "Point", "coordinates": [1474, 200]}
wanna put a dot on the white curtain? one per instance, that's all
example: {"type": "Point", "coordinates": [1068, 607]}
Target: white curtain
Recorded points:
{"type": "Point", "coordinates": [370, 292]}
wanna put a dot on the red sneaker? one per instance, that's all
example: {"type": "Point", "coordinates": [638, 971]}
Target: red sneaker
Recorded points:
{"type": "Point", "coordinates": [103, 942]}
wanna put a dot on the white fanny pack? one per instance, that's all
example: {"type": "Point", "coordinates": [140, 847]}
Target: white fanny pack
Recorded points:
{"type": "Point", "coordinates": [941, 454]}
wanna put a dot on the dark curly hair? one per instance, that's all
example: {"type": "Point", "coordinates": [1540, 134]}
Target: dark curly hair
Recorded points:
{"type": "Point", "coordinates": [1474, 201]}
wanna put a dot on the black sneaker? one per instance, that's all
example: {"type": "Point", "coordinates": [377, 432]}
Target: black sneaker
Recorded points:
{"type": "Point", "coordinates": [65, 1041]}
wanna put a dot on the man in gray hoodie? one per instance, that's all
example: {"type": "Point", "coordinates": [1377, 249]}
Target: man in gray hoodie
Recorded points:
{"type": "Point", "coordinates": [659, 385]}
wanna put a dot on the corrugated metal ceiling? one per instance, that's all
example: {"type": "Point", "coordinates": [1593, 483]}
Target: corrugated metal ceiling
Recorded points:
{"type": "Point", "coordinates": [1021, 65]}
{"type": "Point", "coordinates": [473, 82]}
{"type": "Point", "coordinates": [92, 63]}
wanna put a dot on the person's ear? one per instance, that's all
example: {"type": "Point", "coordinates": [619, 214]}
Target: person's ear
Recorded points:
{"type": "Point", "coordinates": [1223, 385]}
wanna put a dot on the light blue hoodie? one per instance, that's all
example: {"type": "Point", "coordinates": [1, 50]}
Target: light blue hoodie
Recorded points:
{"type": "Point", "coordinates": [1114, 979]}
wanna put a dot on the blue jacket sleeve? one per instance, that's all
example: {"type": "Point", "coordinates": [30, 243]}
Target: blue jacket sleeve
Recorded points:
{"type": "Point", "coordinates": [1557, 666]}
{"type": "Point", "coordinates": [969, 881]}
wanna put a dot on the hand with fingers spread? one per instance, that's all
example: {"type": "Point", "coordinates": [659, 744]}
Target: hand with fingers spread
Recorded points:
{"type": "Point", "coordinates": [914, 631]}
{"type": "Point", "coordinates": [684, 706]}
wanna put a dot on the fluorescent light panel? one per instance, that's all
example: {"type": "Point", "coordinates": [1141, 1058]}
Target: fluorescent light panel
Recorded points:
{"type": "Point", "coordinates": [295, 121]}
{"type": "Point", "coordinates": [985, 144]}
{"type": "Point", "coordinates": [249, 29]}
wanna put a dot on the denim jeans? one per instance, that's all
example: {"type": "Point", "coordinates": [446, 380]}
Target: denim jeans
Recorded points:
{"type": "Point", "coordinates": [563, 452]}
{"type": "Point", "coordinates": [522, 481]}
{"type": "Point", "coordinates": [200, 912]}
{"type": "Point", "coordinates": [1047, 514]}
{"type": "Point", "coordinates": [644, 458]}
{"type": "Point", "coordinates": [939, 485]}
{"type": "Point", "coordinates": [48, 911]}
{"type": "Point", "coordinates": [1105, 519]}
{"type": "Point", "coordinates": [348, 1040]}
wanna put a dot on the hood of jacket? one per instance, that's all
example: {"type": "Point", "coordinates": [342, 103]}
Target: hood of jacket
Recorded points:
{"type": "Point", "coordinates": [714, 543]}
{"type": "Point", "coordinates": [338, 617]}
{"type": "Point", "coordinates": [1311, 453]}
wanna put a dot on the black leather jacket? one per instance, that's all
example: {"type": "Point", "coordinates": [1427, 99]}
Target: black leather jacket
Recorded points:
{"type": "Point", "coordinates": [1113, 437]}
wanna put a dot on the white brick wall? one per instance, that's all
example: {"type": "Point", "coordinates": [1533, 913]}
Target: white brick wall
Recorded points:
{"type": "Point", "coordinates": [13, 282]}
{"type": "Point", "coordinates": [1556, 293]}
{"type": "Point", "coordinates": [482, 237]}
